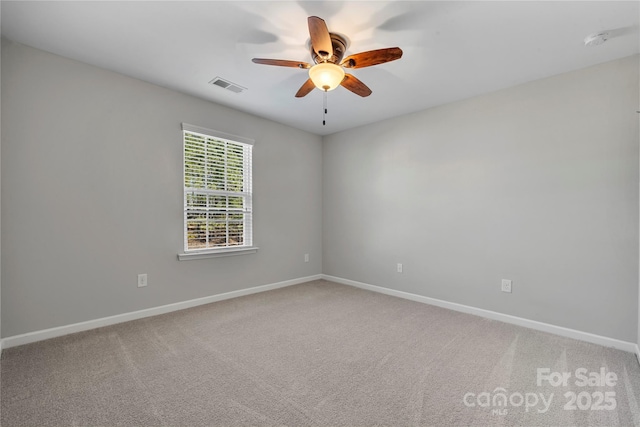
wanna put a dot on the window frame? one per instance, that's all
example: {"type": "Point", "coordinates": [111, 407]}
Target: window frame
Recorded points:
{"type": "Point", "coordinates": [247, 247]}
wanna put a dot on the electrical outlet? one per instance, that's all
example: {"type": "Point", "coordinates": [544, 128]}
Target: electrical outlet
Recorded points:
{"type": "Point", "coordinates": [399, 269]}
{"type": "Point", "coordinates": [306, 257]}
{"type": "Point", "coordinates": [142, 280]}
{"type": "Point", "coordinates": [506, 285]}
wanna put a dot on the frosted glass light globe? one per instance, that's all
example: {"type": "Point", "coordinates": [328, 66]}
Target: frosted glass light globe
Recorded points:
{"type": "Point", "coordinates": [326, 76]}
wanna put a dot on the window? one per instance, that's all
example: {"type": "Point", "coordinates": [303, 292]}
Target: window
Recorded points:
{"type": "Point", "coordinates": [217, 192]}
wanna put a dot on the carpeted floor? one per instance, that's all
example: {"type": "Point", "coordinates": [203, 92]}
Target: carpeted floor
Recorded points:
{"type": "Point", "coordinates": [317, 354]}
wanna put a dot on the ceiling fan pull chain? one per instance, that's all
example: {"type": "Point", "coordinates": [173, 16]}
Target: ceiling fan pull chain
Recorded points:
{"type": "Point", "coordinates": [324, 105]}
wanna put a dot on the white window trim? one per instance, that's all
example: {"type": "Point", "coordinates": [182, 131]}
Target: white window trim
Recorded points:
{"type": "Point", "coordinates": [216, 252]}
{"type": "Point", "coordinates": [217, 134]}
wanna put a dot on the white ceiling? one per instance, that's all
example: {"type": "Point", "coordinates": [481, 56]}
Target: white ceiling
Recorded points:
{"type": "Point", "coordinates": [452, 49]}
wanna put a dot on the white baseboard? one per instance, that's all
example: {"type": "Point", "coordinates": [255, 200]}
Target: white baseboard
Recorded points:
{"type": "Point", "coordinates": [531, 324]}
{"type": "Point", "coordinates": [125, 317]}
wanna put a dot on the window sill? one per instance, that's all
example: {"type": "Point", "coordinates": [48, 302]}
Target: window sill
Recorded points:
{"type": "Point", "coordinates": [217, 253]}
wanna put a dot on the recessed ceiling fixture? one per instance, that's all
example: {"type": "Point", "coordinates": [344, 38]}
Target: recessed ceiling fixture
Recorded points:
{"type": "Point", "coordinates": [596, 39]}
{"type": "Point", "coordinates": [327, 50]}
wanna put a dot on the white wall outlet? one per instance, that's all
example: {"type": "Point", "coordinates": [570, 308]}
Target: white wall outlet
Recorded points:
{"type": "Point", "coordinates": [399, 269]}
{"type": "Point", "coordinates": [306, 257]}
{"type": "Point", "coordinates": [142, 280]}
{"type": "Point", "coordinates": [506, 285]}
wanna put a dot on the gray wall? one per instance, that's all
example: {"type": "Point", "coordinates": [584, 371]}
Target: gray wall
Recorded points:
{"type": "Point", "coordinates": [92, 195]}
{"type": "Point", "coordinates": [0, 195]}
{"type": "Point", "coordinates": [537, 183]}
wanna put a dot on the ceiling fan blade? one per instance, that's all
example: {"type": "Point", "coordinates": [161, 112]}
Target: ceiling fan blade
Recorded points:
{"type": "Point", "coordinates": [372, 57]}
{"type": "Point", "coordinates": [355, 85]}
{"type": "Point", "coordinates": [304, 90]}
{"type": "Point", "coordinates": [282, 63]}
{"type": "Point", "coordinates": [320, 38]}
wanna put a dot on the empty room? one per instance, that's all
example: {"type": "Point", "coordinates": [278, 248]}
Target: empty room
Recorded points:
{"type": "Point", "coordinates": [322, 213]}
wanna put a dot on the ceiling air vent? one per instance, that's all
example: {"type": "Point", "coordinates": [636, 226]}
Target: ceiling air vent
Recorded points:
{"type": "Point", "coordinates": [226, 84]}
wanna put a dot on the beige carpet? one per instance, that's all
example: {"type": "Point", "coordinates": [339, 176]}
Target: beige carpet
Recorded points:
{"type": "Point", "coordinates": [316, 354]}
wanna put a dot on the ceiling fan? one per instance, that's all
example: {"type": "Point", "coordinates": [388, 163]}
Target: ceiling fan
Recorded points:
{"type": "Point", "coordinates": [327, 50]}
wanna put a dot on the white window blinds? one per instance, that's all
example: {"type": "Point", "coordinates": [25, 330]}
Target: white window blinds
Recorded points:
{"type": "Point", "coordinates": [217, 190]}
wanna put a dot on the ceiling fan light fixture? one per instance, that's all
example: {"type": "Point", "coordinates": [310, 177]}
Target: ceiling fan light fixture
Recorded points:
{"type": "Point", "coordinates": [327, 51]}
{"type": "Point", "coordinates": [326, 76]}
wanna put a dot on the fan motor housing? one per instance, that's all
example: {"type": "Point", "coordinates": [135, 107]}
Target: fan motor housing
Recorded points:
{"type": "Point", "coordinates": [339, 44]}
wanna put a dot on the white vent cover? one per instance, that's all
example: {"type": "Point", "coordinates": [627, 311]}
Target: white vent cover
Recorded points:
{"type": "Point", "coordinates": [226, 84]}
